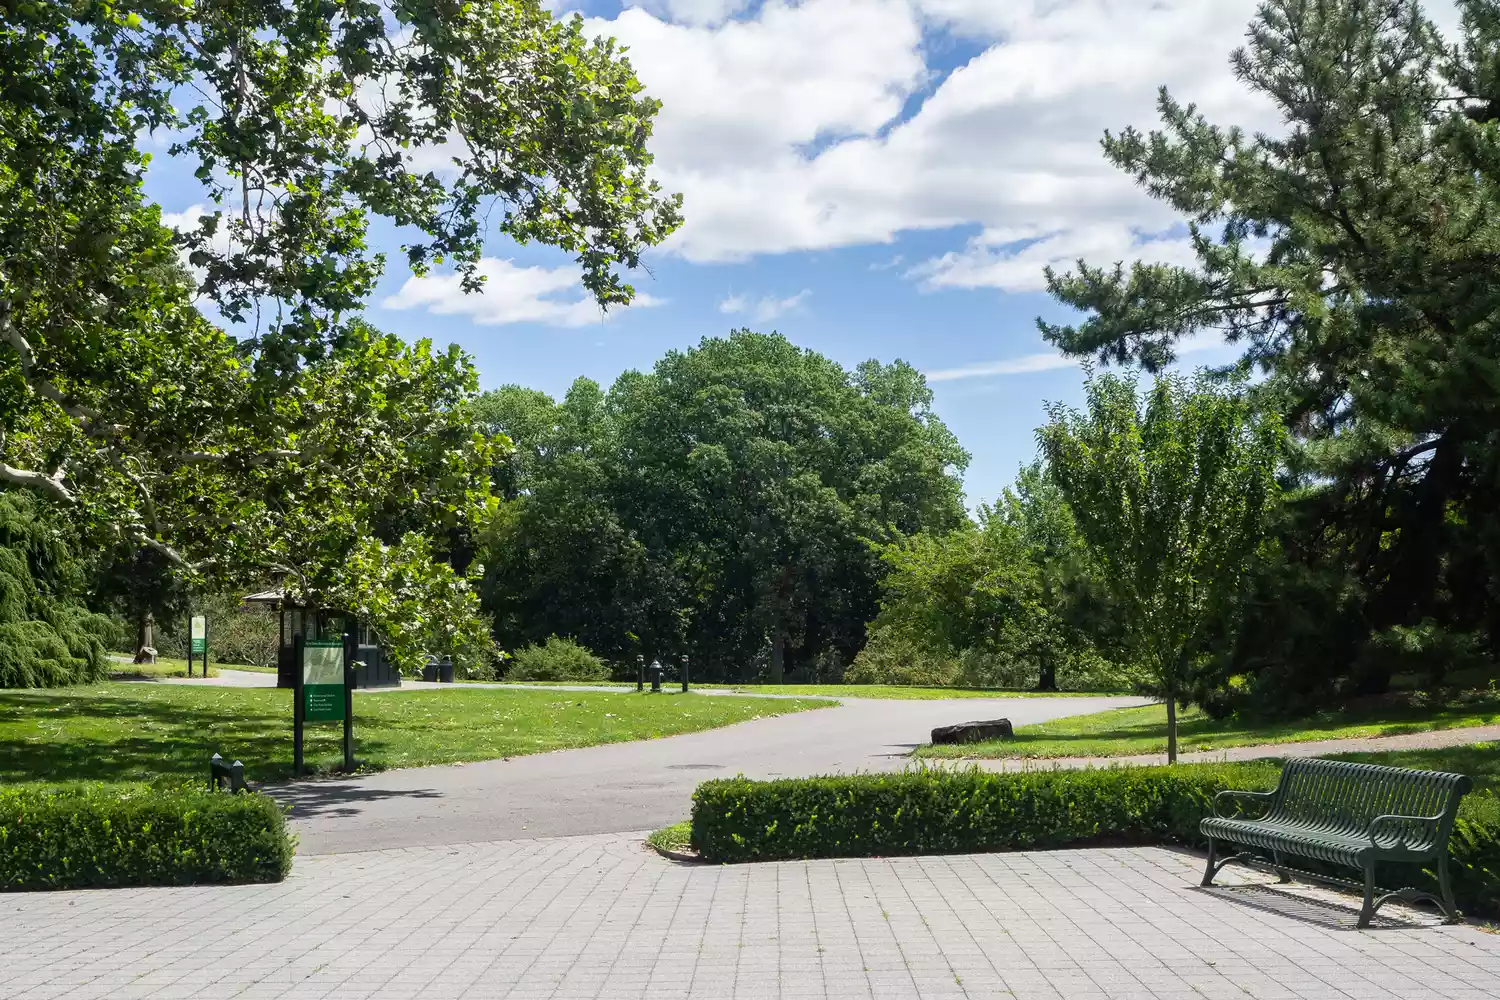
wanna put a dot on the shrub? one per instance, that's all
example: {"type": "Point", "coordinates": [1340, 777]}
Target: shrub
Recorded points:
{"type": "Point", "coordinates": [556, 660]}
{"type": "Point", "coordinates": [47, 637]}
{"type": "Point", "coordinates": [953, 812]}
{"type": "Point", "coordinates": [236, 633]}
{"type": "Point", "coordinates": [88, 835]}
{"type": "Point", "coordinates": [961, 812]}
{"type": "Point", "coordinates": [888, 660]}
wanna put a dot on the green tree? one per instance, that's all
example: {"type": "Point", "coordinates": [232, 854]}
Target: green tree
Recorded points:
{"type": "Point", "coordinates": [234, 456]}
{"type": "Point", "coordinates": [1171, 497]}
{"type": "Point", "coordinates": [1353, 256]}
{"type": "Point", "coordinates": [1083, 623]}
{"type": "Point", "coordinates": [47, 637]}
{"type": "Point", "coordinates": [967, 606]}
{"type": "Point", "coordinates": [723, 503]}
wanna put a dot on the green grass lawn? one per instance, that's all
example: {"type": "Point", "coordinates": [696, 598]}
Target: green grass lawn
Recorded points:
{"type": "Point", "coordinates": [120, 732]}
{"type": "Point", "coordinates": [677, 837]}
{"type": "Point", "coordinates": [889, 691]}
{"type": "Point", "coordinates": [1143, 730]}
{"type": "Point", "coordinates": [171, 666]}
{"type": "Point", "coordinates": [1480, 761]}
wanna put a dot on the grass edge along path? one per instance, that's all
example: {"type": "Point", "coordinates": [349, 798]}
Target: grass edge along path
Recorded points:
{"type": "Point", "coordinates": [1125, 732]}
{"type": "Point", "coordinates": [892, 692]}
{"type": "Point", "coordinates": [149, 732]}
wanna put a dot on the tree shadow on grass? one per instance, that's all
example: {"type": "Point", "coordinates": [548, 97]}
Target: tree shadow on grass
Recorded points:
{"type": "Point", "coordinates": [94, 735]}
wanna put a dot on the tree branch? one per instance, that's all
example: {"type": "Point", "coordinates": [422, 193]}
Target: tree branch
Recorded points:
{"type": "Point", "coordinates": [206, 457]}
{"type": "Point", "coordinates": [51, 486]}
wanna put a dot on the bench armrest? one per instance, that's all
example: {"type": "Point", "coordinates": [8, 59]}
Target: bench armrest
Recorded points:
{"type": "Point", "coordinates": [1403, 825]}
{"type": "Point", "coordinates": [1237, 794]}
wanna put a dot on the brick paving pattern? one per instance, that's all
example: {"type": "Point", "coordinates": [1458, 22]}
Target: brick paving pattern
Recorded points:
{"type": "Point", "coordinates": [600, 917]}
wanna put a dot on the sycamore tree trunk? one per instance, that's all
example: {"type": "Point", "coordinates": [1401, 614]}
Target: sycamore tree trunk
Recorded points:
{"type": "Point", "coordinates": [144, 639]}
{"type": "Point", "coordinates": [778, 658]}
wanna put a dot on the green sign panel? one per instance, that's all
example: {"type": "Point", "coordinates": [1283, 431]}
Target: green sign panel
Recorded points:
{"type": "Point", "coordinates": [323, 680]}
{"type": "Point", "coordinates": [199, 634]}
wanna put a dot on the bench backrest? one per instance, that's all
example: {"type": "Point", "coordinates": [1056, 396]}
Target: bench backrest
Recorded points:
{"type": "Point", "coordinates": [1343, 797]}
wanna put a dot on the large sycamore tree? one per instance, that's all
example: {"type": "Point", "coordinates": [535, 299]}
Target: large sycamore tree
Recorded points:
{"type": "Point", "coordinates": [1354, 255]}
{"type": "Point", "coordinates": [234, 415]}
{"type": "Point", "coordinates": [1171, 495]}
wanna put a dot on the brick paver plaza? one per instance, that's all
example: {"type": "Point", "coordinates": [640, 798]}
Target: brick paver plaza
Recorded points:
{"type": "Point", "coordinates": [601, 917]}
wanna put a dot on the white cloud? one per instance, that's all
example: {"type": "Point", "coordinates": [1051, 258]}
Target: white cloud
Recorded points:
{"type": "Point", "coordinates": [766, 308]}
{"type": "Point", "coordinates": [695, 12]}
{"type": "Point", "coordinates": [1025, 365]}
{"type": "Point", "coordinates": [790, 127]}
{"type": "Point", "coordinates": [1013, 259]}
{"type": "Point", "coordinates": [550, 295]}
{"type": "Point", "coordinates": [1045, 361]}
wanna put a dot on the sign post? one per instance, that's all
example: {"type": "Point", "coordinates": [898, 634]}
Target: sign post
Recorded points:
{"type": "Point", "coordinates": [322, 694]}
{"type": "Point", "coordinates": [197, 642]}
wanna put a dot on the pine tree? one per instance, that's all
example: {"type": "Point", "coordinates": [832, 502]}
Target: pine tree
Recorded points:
{"type": "Point", "coordinates": [1356, 260]}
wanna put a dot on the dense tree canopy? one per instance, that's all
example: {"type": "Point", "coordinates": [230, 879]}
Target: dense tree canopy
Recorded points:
{"type": "Point", "coordinates": [1356, 257]}
{"type": "Point", "coordinates": [724, 503]}
{"type": "Point", "coordinates": [299, 441]}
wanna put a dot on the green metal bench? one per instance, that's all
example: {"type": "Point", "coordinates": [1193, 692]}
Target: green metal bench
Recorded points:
{"type": "Point", "coordinates": [1353, 815]}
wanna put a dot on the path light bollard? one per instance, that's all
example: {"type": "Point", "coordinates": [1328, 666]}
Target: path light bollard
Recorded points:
{"type": "Point", "coordinates": [684, 673]}
{"type": "Point", "coordinates": [640, 673]}
{"type": "Point", "coordinates": [655, 676]}
{"type": "Point", "coordinates": [221, 774]}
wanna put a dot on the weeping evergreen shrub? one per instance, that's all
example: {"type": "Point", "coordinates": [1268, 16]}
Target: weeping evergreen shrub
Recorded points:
{"type": "Point", "coordinates": [47, 637]}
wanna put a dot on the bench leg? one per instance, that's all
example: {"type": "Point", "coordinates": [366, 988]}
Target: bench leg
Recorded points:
{"type": "Point", "coordinates": [1281, 874]}
{"type": "Point", "coordinates": [1445, 885]}
{"type": "Point", "coordinates": [1209, 870]}
{"type": "Point", "coordinates": [1368, 910]}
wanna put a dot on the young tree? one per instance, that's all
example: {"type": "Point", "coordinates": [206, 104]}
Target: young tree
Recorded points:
{"type": "Point", "coordinates": [1171, 498]}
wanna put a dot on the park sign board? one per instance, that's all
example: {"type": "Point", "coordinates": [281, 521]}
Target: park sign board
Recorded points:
{"type": "Point", "coordinates": [323, 680]}
{"type": "Point", "coordinates": [199, 634]}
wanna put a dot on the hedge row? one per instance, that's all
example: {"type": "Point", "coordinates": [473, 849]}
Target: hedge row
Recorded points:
{"type": "Point", "coordinates": [961, 812]}
{"type": "Point", "coordinates": [83, 836]}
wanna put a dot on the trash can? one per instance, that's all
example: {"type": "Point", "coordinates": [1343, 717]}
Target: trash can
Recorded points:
{"type": "Point", "coordinates": [430, 670]}
{"type": "Point", "coordinates": [445, 671]}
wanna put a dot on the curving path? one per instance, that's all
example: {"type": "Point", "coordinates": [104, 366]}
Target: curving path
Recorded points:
{"type": "Point", "coordinates": [628, 786]}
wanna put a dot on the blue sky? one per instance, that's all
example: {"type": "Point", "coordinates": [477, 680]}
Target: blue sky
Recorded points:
{"type": "Point", "coordinates": [871, 178]}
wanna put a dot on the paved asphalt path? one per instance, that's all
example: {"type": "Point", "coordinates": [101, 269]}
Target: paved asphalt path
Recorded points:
{"type": "Point", "coordinates": [628, 786]}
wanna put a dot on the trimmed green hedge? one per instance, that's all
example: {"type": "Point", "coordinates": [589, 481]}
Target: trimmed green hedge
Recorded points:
{"type": "Point", "coordinates": [83, 836]}
{"type": "Point", "coordinates": [972, 811]}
